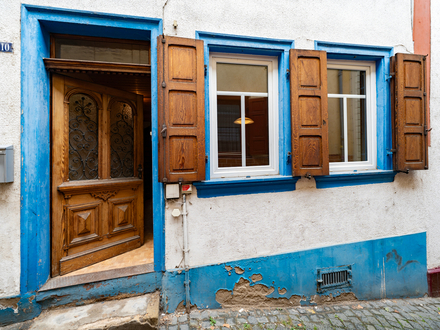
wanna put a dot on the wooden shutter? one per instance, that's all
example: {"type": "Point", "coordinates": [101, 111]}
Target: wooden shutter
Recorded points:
{"type": "Point", "coordinates": [309, 111]}
{"type": "Point", "coordinates": [409, 103]}
{"type": "Point", "coordinates": [181, 110]}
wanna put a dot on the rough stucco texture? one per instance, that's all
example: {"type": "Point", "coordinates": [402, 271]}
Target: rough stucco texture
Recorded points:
{"type": "Point", "coordinates": [237, 227]}
{"type": "Point", "coordinates": [228, 228]}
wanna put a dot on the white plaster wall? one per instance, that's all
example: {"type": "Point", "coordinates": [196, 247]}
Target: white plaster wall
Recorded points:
{"type": "Point", "coordinates": [237, 227]}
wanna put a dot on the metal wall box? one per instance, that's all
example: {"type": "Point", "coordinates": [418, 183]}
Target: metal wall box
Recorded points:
{"type": "Point", "coordinates": [6, 164]}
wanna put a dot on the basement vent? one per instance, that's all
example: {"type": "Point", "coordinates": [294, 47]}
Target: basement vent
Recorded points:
{"type": "Point", "coordinates": [333, 278]}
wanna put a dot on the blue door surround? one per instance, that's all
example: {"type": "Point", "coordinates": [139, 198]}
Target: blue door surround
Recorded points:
{"type": "Point", "coordinates": [36, 25]}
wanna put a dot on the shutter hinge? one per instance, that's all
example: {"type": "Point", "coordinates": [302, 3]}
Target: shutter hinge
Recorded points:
{"type": "Point", "coordinates": [427, 130]}
{"type": "Point", "coordinates": [287, 73]}
{"type": "Point", "coordinates": [289, 158]}
{"type": "Point", "coordinates": [163, 132]}
{"type": "Point", "coordinates": [164, 85]}
{"type": "Point", "coordinates": [206, 159]}
{"type": "Point", "coordinates": [391, 151]}
{"type": "Point", "coordinates": [206, 70]}
{"type": "Point", "coordinates": [163, 39]}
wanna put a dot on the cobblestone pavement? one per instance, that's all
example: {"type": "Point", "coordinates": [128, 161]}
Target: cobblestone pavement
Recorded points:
{"type": "Point", "coordinates": [423, 313]}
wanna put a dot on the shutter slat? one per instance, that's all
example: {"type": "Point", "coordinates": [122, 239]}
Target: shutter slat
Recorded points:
{"type": "Point", "coordinates": [181, 109]}
{"type": "Point", "coordinates": [409, 102]}
{"type": "Point", "coordinates": [309, 111]}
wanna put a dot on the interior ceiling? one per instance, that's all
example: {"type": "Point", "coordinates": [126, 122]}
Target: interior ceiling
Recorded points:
{"type": "Point", "coordinates": [134, 83]}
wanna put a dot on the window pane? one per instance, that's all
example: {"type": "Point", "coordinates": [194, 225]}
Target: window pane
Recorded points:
{"type": "Point", "coordinates": [241, 78]}
{"type": "Point", "coordinates": [257, 131]}
{"type": "Point", "coordinates": [336, 129]}
{"type": "Point", "coordinates": [346, 81]}
{"type": "Point", "coordinates": [229, 132]}
{"type": "Point", "coordinates": [83, 138]}
{"type": "Point", "coordinates": [121, 140]}
{"type": "Point", "coordinates": [357, 130]}
{"type": "Point", "coordinates": [105, 51]}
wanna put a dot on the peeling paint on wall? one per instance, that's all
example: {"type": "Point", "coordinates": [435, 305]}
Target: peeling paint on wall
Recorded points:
{"type": "Point", "coordinates": [291, 279]}
{"type": "Point", "coordinates": [238, 270]}
{"type": "Point", "coordinates": [282, 291]}
{"type": "Point", "coordinates": [245, 295]}
{"type": "Point", "coordinates": [256, 277]}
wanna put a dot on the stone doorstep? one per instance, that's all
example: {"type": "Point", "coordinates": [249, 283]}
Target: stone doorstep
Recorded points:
{"type": "Point", "coordinates": [140, 312]}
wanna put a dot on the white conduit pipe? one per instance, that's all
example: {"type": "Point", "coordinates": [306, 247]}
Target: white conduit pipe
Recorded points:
{"type": "Point", "coordinates": [185, 254]}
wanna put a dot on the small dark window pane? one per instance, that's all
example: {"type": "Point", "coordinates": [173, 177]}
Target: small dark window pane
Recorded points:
{"type": "Point", "coordinates": [229, 131]}
{"type": "Point", "coordinates": [103, 51]}
{"type": "Point", "coordinates": [257, 131]}
{"type": "Point", "coordinates": [121, 140]}
{"type": "Point", "coordinates": [83, 138]}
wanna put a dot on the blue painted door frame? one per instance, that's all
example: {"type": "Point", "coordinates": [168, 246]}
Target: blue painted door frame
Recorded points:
{"type": "Point", "coordinates": [36, 25]}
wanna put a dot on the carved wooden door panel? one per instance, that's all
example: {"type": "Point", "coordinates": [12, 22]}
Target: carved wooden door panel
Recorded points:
{"type": "Point", "coordinates": [97, 190]}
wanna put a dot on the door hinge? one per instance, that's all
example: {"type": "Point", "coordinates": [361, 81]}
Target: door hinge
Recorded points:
{"type": "Point", "coordinates": [163, 132]}
{"type": "Point", "coordinates": [140, 171]}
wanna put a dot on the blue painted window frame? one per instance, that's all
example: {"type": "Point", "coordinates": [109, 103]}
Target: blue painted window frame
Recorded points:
{"type": "Point", "coordinates": [36, 25]}
{"type": "Point", "coordinates": [225, 43]}
{"type": "Point", "coordinates": [381, 56]}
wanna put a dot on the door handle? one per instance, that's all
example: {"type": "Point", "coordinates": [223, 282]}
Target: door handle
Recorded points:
{"type": "Point", "coordinates": [140, 171]}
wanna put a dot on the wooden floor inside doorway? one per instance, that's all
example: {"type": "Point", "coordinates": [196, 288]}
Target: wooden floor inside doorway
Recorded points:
{"type": "Point", "coordinates": [140, 256]}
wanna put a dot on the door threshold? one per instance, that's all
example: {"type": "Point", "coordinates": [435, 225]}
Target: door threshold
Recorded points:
{"type": "Point", "coordinates": [66, 281]}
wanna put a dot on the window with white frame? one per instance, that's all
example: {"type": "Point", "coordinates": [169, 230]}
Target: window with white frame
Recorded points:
{"type": "Point", "coordinates": [243, 115]}
{"type": "Point", "coordinates": [352, 115]}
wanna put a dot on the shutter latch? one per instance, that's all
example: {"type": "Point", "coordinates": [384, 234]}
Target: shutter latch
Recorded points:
{"type": "Point", "coordinates": [390, 76]}
{"type": "Point", "coordinates": [391, 151]}
{"type": "Point", "coordinates": [163, 132]}
{"type": "Point", "coordinates": [308, 176]}
{"type": "Point", "coordinates": [427, 130]}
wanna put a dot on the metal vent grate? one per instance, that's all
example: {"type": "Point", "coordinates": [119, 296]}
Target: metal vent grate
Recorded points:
{"type": "Point", "coordinates": [335, 278]}
{"type": "Point", "coordinates": [332, 278]}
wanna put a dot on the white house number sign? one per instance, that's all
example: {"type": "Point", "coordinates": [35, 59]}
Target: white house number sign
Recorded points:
{"type": "Point", "coordinates": [6, 47]}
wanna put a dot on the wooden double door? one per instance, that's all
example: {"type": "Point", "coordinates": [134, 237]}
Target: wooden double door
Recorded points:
{"type": "Point", "coordinates": [97, 186]}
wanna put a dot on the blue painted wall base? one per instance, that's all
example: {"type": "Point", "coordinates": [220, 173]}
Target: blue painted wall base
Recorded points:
{"type": "Point", "coordinates": [393, 267]}
{"type": "Point", "coordinates": [26, 309]}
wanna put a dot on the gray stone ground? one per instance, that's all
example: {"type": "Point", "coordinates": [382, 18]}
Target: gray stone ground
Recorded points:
{"type": "Point", "coordinates": [423, 313]}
